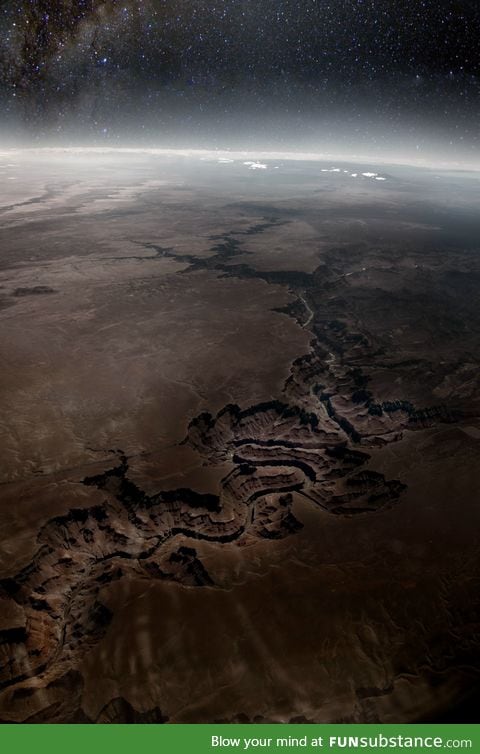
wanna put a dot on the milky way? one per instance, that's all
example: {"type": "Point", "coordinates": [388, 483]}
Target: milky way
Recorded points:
{"type": "Point", "coordinates": [105, 70]}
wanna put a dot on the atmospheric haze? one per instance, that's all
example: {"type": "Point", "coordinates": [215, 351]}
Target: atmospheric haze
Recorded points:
{"type": "Point", "coordinates": [240, 348]}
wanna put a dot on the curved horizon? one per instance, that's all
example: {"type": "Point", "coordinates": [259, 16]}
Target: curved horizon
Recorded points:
{"type": "Point", "coordinates": [240, 154]}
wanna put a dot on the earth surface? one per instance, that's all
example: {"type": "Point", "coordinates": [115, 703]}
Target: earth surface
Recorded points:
{"type": "Point", "coordinates": [240, 432]}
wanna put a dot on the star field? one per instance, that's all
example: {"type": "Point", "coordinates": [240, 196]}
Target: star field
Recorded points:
{"type": "Point", "coordinates": [109, 68]}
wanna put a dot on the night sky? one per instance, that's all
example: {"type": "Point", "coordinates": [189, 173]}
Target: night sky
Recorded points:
{"type": "Point", "coordinates": [372, 73]}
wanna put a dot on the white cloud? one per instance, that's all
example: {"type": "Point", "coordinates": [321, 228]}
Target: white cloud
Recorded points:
{"type": "Point", "coordinates": [255, 165]}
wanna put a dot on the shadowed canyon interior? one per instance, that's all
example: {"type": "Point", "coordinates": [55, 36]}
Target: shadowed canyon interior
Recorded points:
{"type": "Point", "coordinates": [240, 431]}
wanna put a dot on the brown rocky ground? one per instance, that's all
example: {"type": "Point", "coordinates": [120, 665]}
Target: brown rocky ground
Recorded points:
{"type": "Point", "coordinates": [240, 438]}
